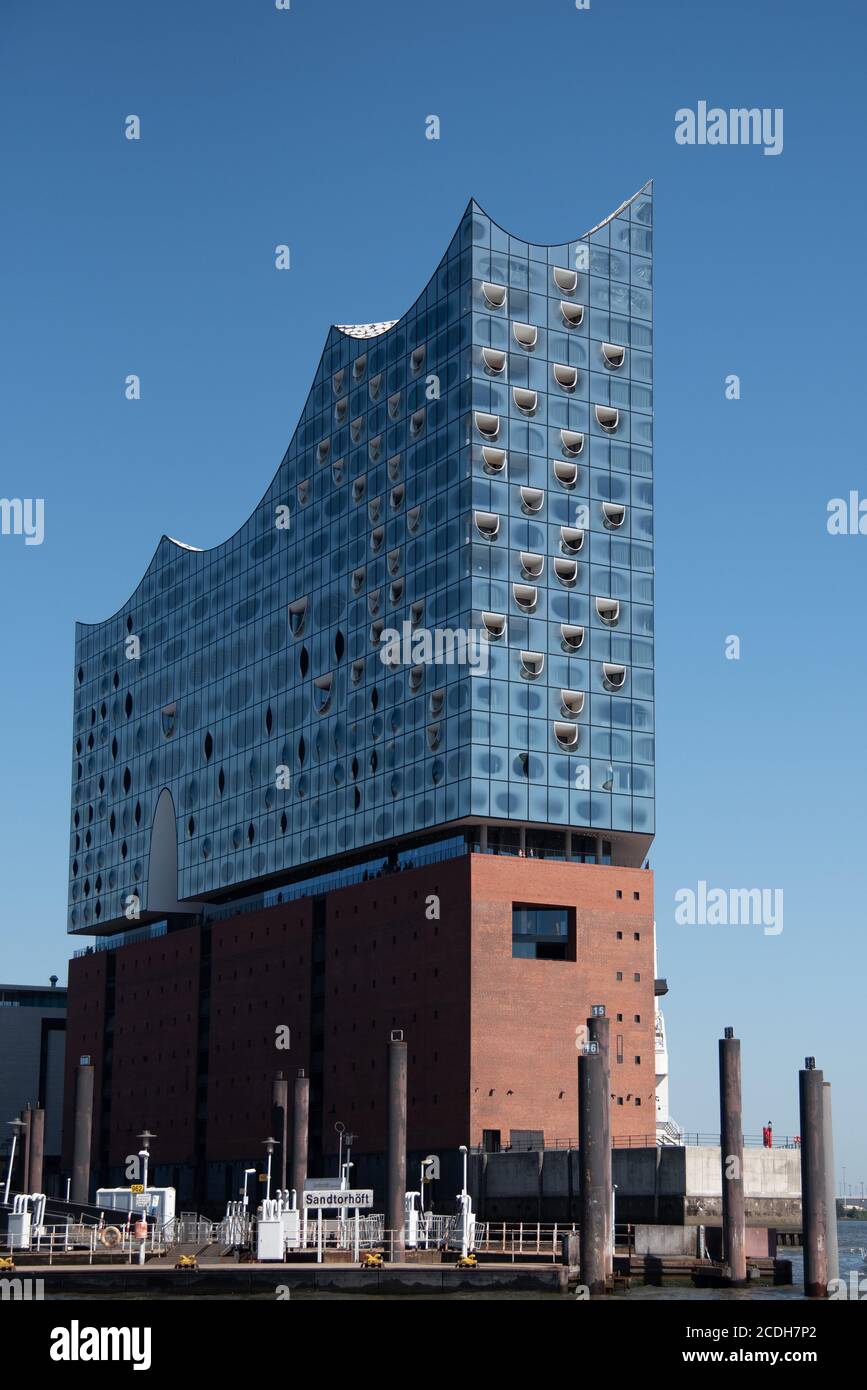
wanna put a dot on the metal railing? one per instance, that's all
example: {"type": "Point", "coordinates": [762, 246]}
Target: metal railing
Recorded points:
{"type": "Point", "coordinates": [644, 1141]}
{"type": "Point", "coordinates": [86, 1237]}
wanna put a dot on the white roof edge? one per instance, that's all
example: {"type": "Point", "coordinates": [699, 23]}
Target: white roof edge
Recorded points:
{"type": "Point", "coordinates": [365, 330]}
{"type": "Point", "coordinates": [182, 545]}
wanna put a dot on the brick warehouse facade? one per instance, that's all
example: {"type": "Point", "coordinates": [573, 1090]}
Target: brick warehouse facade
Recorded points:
{"type": "Point", "coordinates": [181, 1028]}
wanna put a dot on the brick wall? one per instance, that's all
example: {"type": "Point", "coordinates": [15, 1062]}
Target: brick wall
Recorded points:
{"type": "Point", "coordinates": [525, 1012]}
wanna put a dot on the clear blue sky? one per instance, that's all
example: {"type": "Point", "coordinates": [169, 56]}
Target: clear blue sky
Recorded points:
{"type": "Point", "coordinates": [307, 127]}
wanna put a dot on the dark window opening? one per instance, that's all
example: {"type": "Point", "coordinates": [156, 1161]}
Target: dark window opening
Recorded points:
{"type": "Point", "coordinates": [543, 933]}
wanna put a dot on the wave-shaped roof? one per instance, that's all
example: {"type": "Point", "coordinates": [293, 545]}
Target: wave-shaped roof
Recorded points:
{"type": "Point", "coordinates": [357, 331]}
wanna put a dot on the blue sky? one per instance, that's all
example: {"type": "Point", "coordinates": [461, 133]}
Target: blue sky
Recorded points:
{"type": "Point", "coordinates": [307, 127]}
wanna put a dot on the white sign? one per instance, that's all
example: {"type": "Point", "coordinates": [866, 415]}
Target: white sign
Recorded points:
{"type": "Point", "coordinates": [361, 1197]}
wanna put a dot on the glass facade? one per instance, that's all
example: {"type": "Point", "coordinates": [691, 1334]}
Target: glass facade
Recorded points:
{"type": "Point", "coordinates": [480, 469]}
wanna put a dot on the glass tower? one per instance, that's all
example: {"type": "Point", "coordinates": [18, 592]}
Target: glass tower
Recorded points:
{"type": "Point", "coordinates": [438, 619]}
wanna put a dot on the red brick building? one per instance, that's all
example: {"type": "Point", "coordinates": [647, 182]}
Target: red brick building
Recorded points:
{"type": "Point", "coordinates": [183, 1028]}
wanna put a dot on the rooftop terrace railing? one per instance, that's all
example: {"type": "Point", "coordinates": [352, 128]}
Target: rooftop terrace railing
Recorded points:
{"type": "Point", "coordinates": [646, 1141]}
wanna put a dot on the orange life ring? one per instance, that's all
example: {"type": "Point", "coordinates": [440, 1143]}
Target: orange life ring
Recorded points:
{"type": "Point", "coordinates": [111, 1236]}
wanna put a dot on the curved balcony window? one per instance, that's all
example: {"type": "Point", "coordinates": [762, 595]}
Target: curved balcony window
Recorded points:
{"type": "Point", "coordinates": [374, 600]}
{"type": "Point", "coordinates": [356, 429]}
{"type": "Point", "coordinates": [526, 334]}
{"type": "Point", "coordinates": [394, 404]}
{"type": "Point", "coordinates": [572, 314]}
{"type": "Point", "coordinates": [566, 734]}
{"type": "Point", "coordinates": [526, 401]}
{"type": "Point", "coordinates": [359, 366]}
{"type": "Point", "coordinates": [614, 514]}
{"type": "Point", "coordinates": [416, 424]}
{"type": "Point", "coordinates": [571, 703]}
{"type": "Point", "coordinates": [358, 487]}
{"type": "Point", "coordinates": [395, 592]}
{"type": "Point", "coordinates": [607, 417]}
{"type": "Point", "coordinates": [614, 355]}
{"type": "Point", "coordinates": [493, 460]}
{"type": "Point", "coordinates": [434, 736]}
{"type": "Point", "coordinates": [531, 565]}
{"type": "Point", "coordinates": [437, 701]}
{"type": "Point", "coordinates": [322, 693]}
{"type": "Point", "coordinates": [613, 675]}
{"type": "Point", "coordinates": [416, 612]}
{"type": "Point", "coordinates": [526, 596]}
{"type": "Point", "coordinates": [416, 677]}
{"type": "Point", "coordinates": [377, 539]}
{"type": "Point", "coordinates": [494, 625]}
{"type": "Point", "coordinates": [413, 520]}
{"type": "Point", "coordinates": [374, 449]}
{"type": "Point", "coordinates": [532, 664]}
{"type": "Point", "coordinates": [494, 360]}
{"type": "Point", "coordinates": [393, 467]}
{"type": "Point", "coordinates": [487, 524]}
{"type": "Point", "coordinates": [304, 492]}
{"type": "Point", "coordinates": [338, 471]}
{"type": "Point", "coordinates": [374, 387]}
{"type": "Point", "coordinates": [571, 442]}
{"type": "Point", "coordinates": [374, 508]}
{"type": "Point", "coordinates": [532, 499]}
{"type": "Point", "coordinates": [376, 630]}
{"type": "Point", "coordinates": [416, 358]}
{"type": "Point", "coordinates": [571, 539]}
{"type": "Point", "coordinates": [298, 616]}
{"type": "Point", "coordinates": [565, 473]}
{"type": "Point", "coordinates": [608, 609]}
{"type": "Point", "coordinates": [394, 561]}
{"type": "Point", "coordinates": [571, 637]}
{"type": "Point", "coordinates": [357, 580]}
{"type": "Point", "coordinates": [396, 497]}
{"type": "Point", "coordinates": [487, 425]}
{"type": "Point", "coordinates": [337, 381]}
{"type": "Point", "coordinates": [566, 280]}
{"type": "Point", "coordinates": [356, 672]}
{"type": "Point", "coordinates": [566, 571]}
{"type": "Point", "coordinates": [323, 449]}
{"type": "Point", "coordinates": [565, 376]}
{"type": "Point", "coordinates": [494, 294]}
{"type": "Point", "coordinates": [341, 410]}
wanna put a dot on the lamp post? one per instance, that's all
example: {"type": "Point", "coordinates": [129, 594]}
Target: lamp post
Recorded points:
{"type": "Point", "coordinates": [16, 1126]}
{"type": "Point", "coordinates": [144, 1155]}
{"type": "Point", "coordinates": [270, 1146]}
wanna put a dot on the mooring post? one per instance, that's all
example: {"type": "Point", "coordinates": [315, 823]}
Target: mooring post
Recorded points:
{"type": "Point", "coordinates": [82, 1132]}
{"type": "Point", "coordinates": [37, 1149]}
{"type": "Point", "coordinates": [300, 1122]}
{"type": "Point", "coordinates": [830, 1185]}
{"type": "Point", "coordinates": [732, 1157]}
{"type": "Point", "coordinates": [599, 1031]}
{"type": "Point", "coordinates": [813, 1181]}
{"type": "Point", "coordinates": [396, 1174]}
{"type": "Point", "coordinates": [594, 1161]}
{"type": "Point", "coordinates": [280, 1122]}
